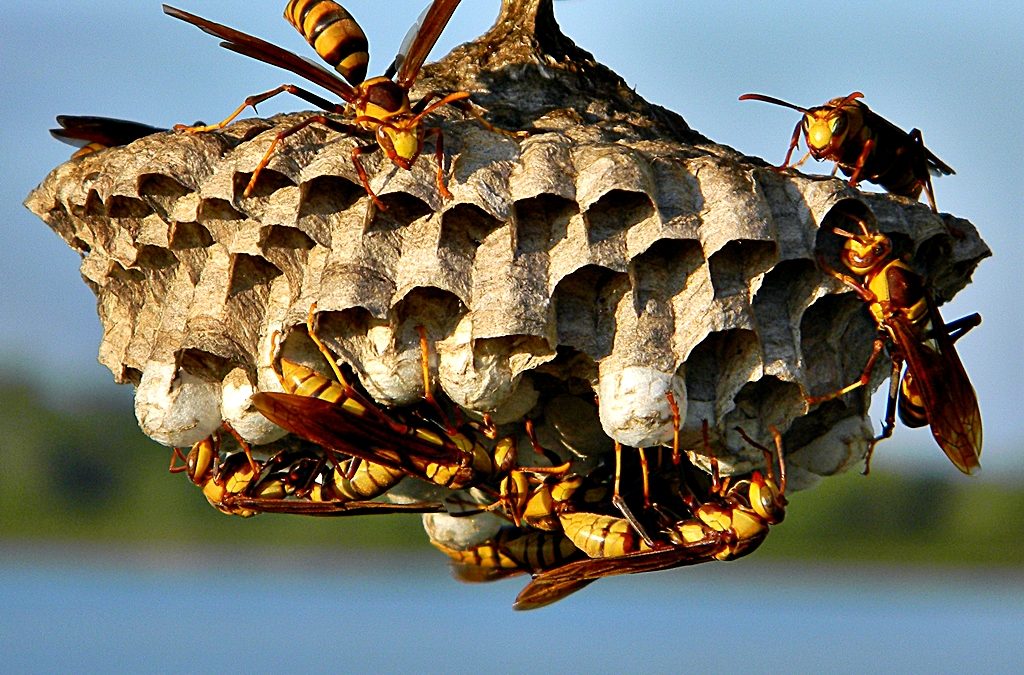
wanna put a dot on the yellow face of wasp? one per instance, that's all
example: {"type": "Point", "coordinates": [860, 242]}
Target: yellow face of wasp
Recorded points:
{"type": "Point", "coordinates": [405, 141]}
{"type": "Point", "coordinates": [864, 253]}
{"type": "Point", "coordinates": [825, 130]}
{"type": "Point", "coordinates": [767, 500]}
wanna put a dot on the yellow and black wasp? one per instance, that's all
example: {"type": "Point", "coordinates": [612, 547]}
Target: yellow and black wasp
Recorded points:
{"type": "Point", "coordinates": [935, 389]}
{"type": "Point", "coordinates": [298, 482]}
{"type": "Point", "coordinates": [336, 416]}
{"type": "Point", "coordinates": [729, 522]}
{"type": "Point", "coordinates": [379, 106]}
{"type": "Point", "coordinates": [864, 145]}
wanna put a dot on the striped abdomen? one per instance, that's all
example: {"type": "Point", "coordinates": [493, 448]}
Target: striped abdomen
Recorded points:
{"type": "Point", "coordinates": [334, 34]}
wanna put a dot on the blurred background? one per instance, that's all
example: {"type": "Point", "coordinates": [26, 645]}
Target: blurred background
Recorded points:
{"type": "Point", "coordinates": [107, 559]}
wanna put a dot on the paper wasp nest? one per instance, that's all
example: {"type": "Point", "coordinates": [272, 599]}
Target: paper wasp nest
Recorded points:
{"type": "Point", "coordinates": [613, 251]}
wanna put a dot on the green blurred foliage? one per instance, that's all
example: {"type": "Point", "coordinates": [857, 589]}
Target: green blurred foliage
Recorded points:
{"type": "Point", "coordinates": [83, 472]}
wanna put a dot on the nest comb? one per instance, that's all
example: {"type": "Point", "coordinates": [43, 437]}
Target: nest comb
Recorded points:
{"type": "Point", "coordinates": [615, 252]}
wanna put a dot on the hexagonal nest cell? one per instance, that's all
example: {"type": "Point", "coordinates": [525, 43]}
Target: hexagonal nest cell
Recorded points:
{"type": "Point", "coordinates": [612, 252]}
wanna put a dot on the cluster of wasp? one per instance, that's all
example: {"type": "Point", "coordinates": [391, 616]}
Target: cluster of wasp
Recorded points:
{"type": "Point", "coordinates": [565, 522]}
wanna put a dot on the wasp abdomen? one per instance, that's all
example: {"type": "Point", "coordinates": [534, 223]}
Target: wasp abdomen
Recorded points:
{"type": "Point", "coordinates": [334, 34]}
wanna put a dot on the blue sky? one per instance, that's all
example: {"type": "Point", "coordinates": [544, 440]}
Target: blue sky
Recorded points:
{"type": "Point", "coordinates": [950, 69]}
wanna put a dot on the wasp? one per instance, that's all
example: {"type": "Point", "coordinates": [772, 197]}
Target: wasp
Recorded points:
{"type": "Point", "coordinates": [729, 523]}
{"type": "Point", "coordinates": [334, 415]}
{"type": "Point", "coordinates": [92, 134]}
{"type": "Point", "coordinates": [935, 389]}
{"type": "Point", "coordinates": [379, 106]}
{"type": "Point", "coordinates": [865, 145]}
{"type": "Point", "coordinates": [510, 552]}
{"type": "Point", "coordinates": [291, 481]}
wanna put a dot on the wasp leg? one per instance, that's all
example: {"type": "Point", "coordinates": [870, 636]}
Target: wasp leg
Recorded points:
{"type": "Point", "coordinates": [792, 146]}
{"type": "Point", "coordinates": [439, 159]}
{"type": "Point", "coordinates": [256, 99]}
{"type": "Point", "coordinates": [618, 470]}
{"type": "Point", "coordinates": [889, 425]}
{"type": "Point", "coordinates": [357, 151]}
{"type": "Point", "coordinates": [645, 475]}
{"type": "Point", "coordinates": [466, 107]}
{"type": "Point", "coordinates": [864, 378]}
{"type": "Point", "coordinates": [256, 469]}
{"type": "Point", "coordinates": [321, 119]}
{"type": "Point", "coordinates": [556, 468]}
{"type": "Point", "coordinates": [620, 503]}
{"type": "Point", "coordinates": [926, 180]}
{"type": "Point", "coordinates": [350, 391]}
{"type": "Point", "coordinates": [676, 423]}
{"type": "Point", "coordinates": [428, 391]}
{"type": "Point", "coordinates": [175, 456]}
{"type": "Point", "coordinates": [858, 168]}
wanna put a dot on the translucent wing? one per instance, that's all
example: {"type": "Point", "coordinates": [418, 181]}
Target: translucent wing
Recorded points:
{"type": "Point", "coordinates": [328, 424]}
{"type": "Point", "coordinates": [555, 584]}
{"type": "Point", "coordinates": [940, 379]}
{"type": "Point", "coordinates": [421, 39]}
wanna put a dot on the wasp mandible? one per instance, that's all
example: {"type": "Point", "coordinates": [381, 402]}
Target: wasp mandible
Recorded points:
{"type": "Point", "coordinates": [379, 106]}
{"type": "Point", "coordinates": [935, 389]}
{"type": "Point", "coordinates": [865, 145]}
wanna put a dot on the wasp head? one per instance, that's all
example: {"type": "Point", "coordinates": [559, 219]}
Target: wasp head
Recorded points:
{"type": "Point", "coordinates": [864, 252]}
{"type": "Point", "coordinates": [827, 127]}
{"type": "Point", "coordinates": [202, 459]}
{"type": "Point", "coordinates": [767, 499]}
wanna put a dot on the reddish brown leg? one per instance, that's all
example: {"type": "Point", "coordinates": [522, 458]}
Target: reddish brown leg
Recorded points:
{"type": "Point", "coordinates": [256, 469]}
{"type": "Point", "coordinates": [645, 475]}
{"type": "Point", "coordinates": [864, 378]}
{"type": "Point", "coordinates": [428, 391]}
{"type": "Point", "coordinates": [618, 470]}
{"type": "Point", "coordinates": [175, 456]}
{"type": "Point", "coordinates": [858, 168]}
{"type": "Point", "coordinates": [357, 151]}
{"type": "Point", "coordinates": [319, 119]}
{"type": "Point", "coordinates": [792, 146]}
{"type": "Point", "coordinates": [676, 423]}
{"type": "Point", "coordinates": [439, 158]}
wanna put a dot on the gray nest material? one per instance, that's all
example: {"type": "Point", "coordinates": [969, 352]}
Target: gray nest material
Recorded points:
{"type": "Point", "coordinates": [613, 252]}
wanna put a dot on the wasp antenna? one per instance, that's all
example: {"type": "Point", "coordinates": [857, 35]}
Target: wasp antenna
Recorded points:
{"type": "Point", "coordinates": [772, 99]}
{"type": "Point", "coordinates": [843, 233]}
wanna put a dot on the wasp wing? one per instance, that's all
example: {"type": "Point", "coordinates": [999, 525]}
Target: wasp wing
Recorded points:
{"type": "Point", "coordinates": [555, 584]}
{"type": "Point", "coordinates": [421, 39]}
{"type": "Point", "coordinates": [936, 166]}
{"type": "Point", "coordinates": [368, 437]}
{"type": "Point", "coordinates": [940, 379]}
{"type": "Point", "coordinates": [330, 508]}
{"type": "Point", "coordinates": [79, 130]}
{"type": "Point", "coordinates": [261, 50]}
